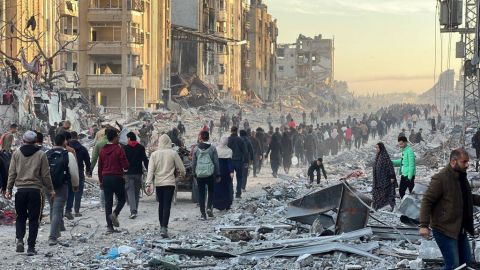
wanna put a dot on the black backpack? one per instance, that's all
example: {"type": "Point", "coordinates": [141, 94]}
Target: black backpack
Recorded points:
{"type": "Point", "coordinates": [58, 162]}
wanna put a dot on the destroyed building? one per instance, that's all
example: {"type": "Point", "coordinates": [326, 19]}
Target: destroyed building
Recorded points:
{"type": "Point", "coordinates": [124, 53]}
{"type": "Point", "coordinates": [262, 31]}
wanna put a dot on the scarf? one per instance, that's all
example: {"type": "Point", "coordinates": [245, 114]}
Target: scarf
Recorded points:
{"type": "Point", "coordinates": [222, 149]}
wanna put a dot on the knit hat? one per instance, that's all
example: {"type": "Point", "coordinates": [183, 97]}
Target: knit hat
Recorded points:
{"type": "Point", "coordinates": [29, 136]}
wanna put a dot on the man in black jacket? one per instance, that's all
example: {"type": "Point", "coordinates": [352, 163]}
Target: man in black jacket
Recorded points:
{"type": "Point", "coordinates": [248, 143]}
{"type": "Point", "coordinates": [239, 157]}
{"type": "Point", "coordinates": [257, 152]}
{"type": "Point", "coordinates": [316, 166]}
{"type": "Point", "coordinates": [136, 156]}
{"type": "Point", "coordinates": [84, 165]}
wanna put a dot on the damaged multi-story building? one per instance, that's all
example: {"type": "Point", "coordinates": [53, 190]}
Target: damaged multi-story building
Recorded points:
{"type": "Point", "coordinates": [260, 74]}
{"type": "Point", "coordinates": [206, 49]}
{"type": "Point", "coordinates": [308, 61]}
{"type": "Point", "coordinates": [125, 53]}
{"type": "Point", "coordinates": [54, 22]}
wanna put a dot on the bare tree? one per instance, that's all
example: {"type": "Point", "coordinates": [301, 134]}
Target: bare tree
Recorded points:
{"type": "Point", "coordinates": [50, 75]}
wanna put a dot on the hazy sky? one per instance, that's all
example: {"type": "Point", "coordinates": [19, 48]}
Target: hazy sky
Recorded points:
{"type": "Point", "coordinates": [381, 45]}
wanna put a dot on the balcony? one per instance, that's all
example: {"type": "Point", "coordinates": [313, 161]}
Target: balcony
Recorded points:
{"type": "Point", "coordinates": [68, 8]}
{"type": "Point", "coordinates": [136, 5]}
{"type": "Point", "coordinates": [113, 81]}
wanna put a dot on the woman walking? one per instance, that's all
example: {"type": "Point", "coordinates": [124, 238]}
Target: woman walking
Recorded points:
{"type": "Point", "coordinates": [161, 173]}
{"type": "Point", "coordinates": [384, 179]}
{"type": "Point", "coordinates": [223, 190]}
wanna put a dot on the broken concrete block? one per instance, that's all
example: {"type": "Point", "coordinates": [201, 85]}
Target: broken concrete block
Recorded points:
{"type": "Point", "coordinates": [416, 264]}
{"type": "Point", "coordinates": [402, 264]}
{"type": "Point", "coordinates": [410, 207]}
{"type": "Point", "coordinates": [304, 261]}
{"type": "Point", "coordinates": [429, 250]}
{"type": "Point", "coordinates": [353, 267]}
{"type": "Point", "coordinates": [236, 236]}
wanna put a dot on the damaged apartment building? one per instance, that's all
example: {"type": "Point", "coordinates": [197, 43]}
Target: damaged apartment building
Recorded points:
{"type": "Point", "coordinates": [24, 61]}
{"type": "Point", "coordinates": [224, 48]}
{"type": "Point", "coordinates": [308, 61]}
{"type": "Point", "coordinates": [125, 53]}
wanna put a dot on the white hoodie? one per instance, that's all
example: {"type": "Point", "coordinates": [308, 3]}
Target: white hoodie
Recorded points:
{"type": "Point", "coordinates": [162, 164]}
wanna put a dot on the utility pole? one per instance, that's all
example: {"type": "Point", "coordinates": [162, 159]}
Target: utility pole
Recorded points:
{"type": "Point", "coordinates": [468, 49]}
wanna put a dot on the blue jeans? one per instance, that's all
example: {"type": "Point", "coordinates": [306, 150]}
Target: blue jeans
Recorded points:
{"type": "Point", "coordinates": [56, 210]}
{"type": "Point", "coordinates": [75, 196]}
{"type": "Point", "coordinates": [454, 252]}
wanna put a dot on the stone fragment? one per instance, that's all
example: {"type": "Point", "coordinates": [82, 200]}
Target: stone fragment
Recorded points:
{"type": "Point", "coordinates": [416, 264]}
{"type": "Point", "coordinates": [304, 260]}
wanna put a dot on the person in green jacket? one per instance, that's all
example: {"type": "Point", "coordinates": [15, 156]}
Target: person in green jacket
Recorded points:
{"type": "Point", "coordinates": [102, 141]}
{"type": "Point", "coordinates": [407, 166]}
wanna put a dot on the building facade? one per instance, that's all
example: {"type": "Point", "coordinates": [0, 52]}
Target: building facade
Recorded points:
{"type": "Point", "coordinates": [125, 53]}
{"type": "Point", "coordinates": [261, 51]}
{"type": "Point", "coordinates": [54, 23]}
{"type": "Point", "coordinates": [286, 61]}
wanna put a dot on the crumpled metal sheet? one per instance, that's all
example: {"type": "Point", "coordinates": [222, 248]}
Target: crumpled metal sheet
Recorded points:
{"type": "Point", "coordinates": [315, 249]}
{"type": "Point", "coordinates": [352, 214]}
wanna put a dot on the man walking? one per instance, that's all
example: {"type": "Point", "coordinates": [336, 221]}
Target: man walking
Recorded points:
{"type": "Point", "coordinates": [239, 157]}
{"type": "Point", "coordinates": [30, 173]}
{"type": "Point", "coordinates": [251, 157]}
{"type": "Point", "coordinates": [64, 172]}
{"type": "Point", "coordinates": [137, 158]}
{"type": "Point", "coordinates": [111, 166]}
{"type": "Point", "coordinates": [207, 170]}
{"type": "Point", "coordinates": [447, 208]}
{"type": "Point", "coordinates": [407, 166]}
{"type": "Point", "coordinates": [83, 163]}
{"type": "Point", "coordinates": [275, 152]}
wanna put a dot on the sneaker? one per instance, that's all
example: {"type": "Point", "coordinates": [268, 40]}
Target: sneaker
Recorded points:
{"type": "Point", "coordinates": [210, 212]}
{"type": "Point", "coordinates": [133, 215]}
{"type": "Point", "coordinates": [78, 215]}
{"type": "Point", "coordinates": [238, 196]}
{"type": "Point", "coordinates": [114, 218]}
{"type": "Point", "coordinates": [20, 246]}
{"type": "Point", "coordinates": [31, 251]}
{"type": "Point", "coordinates": [52, 242]}
{"type": "Point", "coordinates": [69, 215]}
{"type": "Point", "coordinates": [111, 230]}
{"type": "Point", "coordinates": [204, 216]}
{"type": "Point", "coordinates": [164, 232]}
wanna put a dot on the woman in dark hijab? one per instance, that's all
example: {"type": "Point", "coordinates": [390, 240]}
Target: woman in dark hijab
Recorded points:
{"type": "Point", "coordinates": [384, 179]}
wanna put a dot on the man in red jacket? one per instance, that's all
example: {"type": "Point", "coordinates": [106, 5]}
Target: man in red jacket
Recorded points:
{"type": "Point", "coordinates": [112, 165]}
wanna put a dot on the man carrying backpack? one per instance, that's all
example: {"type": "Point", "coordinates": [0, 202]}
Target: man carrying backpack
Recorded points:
{"type": "Point", "coordinates": [63, 171]}
{"type": "Point", "coordinates": [206, 168]}
{"type": "Point", "coordinates": [83, 163]}
{"type": "Point", "coordinates": [30, 173]}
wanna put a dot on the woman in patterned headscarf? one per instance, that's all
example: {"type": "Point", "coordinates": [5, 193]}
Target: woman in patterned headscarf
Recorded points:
{"type": "Point", "coordinates": [384, 179]}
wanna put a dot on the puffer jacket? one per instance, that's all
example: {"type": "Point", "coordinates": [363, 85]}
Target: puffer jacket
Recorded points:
{"type": "Point", "coordinates": [163, 163]}
{"type": "Point", "coordinates": [406, 163]}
